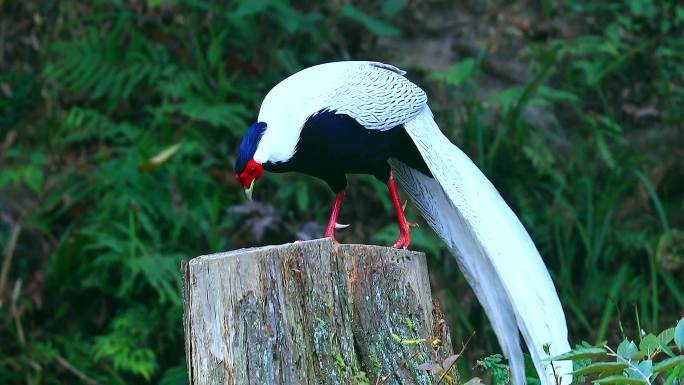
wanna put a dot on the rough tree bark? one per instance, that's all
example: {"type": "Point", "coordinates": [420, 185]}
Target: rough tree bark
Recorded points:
{"type": "Point", "coordinates": [311, 313]}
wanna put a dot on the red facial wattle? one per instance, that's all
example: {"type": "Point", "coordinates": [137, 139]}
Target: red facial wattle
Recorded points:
{"type": "Point", "coordinates": [252, 171]}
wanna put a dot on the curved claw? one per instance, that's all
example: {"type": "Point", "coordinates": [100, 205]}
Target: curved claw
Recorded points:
{"type": "Point", "coordinates": [341, 226]}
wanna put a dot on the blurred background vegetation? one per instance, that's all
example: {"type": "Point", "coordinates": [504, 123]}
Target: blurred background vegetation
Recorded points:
{"type": "Point", "coordinates": [119, 122]}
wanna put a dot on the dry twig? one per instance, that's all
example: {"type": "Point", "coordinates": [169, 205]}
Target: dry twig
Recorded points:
{"type": "Point", "coordinates": [71, 368]}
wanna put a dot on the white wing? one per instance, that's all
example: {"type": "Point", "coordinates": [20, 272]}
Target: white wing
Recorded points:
{"type": "Point", "coordinates": [377, 96]}
{"type": "Point", "coordinates": [492, 248]}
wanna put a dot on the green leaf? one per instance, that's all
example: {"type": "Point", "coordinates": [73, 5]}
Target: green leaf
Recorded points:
{"type": "Point", "coordinates": [39, 158]}
{"type": "Point", "coordinates": [175, 375]}
{"type": "Point", "coordinates": [679, 334]}
{"type": "Point", "coordinates": [390, 8]}
{"type": "Point", "coordinates": [500, 371]}
{"type": "Point", "coordinates": [591, 71]}
{"type": "Point", "coordinates": [376, 26]}
{"type": "Point", "coordinates": [9, 176]}
{"type": "Point", "coordinates": [621, 380]}
{"type": "Point", "coordinates": [250, 7]}
{"type": "Point", "coordinates": [506, 99]}
{"type": "Point", "coordinates": [668, 363]}
{"type": "Point", "coordinates": [557, 95]}
{"type": "Point", "coordinates": [642, 8]}
{"type": "Point", "coordinates": [33, 176]}
{"type": "Point", "coordinates": [643, 368]}
{"type": "Point", "coordinates": [287, 59]}
{"type": "Point", "coordinates": [602, 367]}
{"type": "Point", "coordinates": [667, 335]}
{"type": "Point", "coordinates": [662, 215]}
{"type": "Point", "coordinates": [457, 74]}
{"type": "Point", "coordinates": [579, 353]}
{"type": "Point", "coordinates": [674, 375]}
{"type": "Point", "coordinates": [302, 199]}
{"type": "Point", "coordinates": [627, 349]}
{"type": "Point", "coordinates": [609, 124]}
{"type": "Point", "coordinates": [539, 152]}
{"type": "Point", "coordinates": [649, 344]}
{"type": "Point", "coordinates": [666, 349]}
{"type": "Point", "coordinates": [215, 50]}
{"type": "Point", "coordinates": [604, 151]}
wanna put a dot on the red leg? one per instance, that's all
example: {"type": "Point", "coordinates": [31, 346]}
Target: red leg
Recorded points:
{"type": "Point", "coordinates": [334, 213]}
{"type": "Point", "coordinates": [404, 225]}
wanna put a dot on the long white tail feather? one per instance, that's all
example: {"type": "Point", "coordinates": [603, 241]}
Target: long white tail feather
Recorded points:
{"type": "Point", "coordinates": [435, 206]}
{"type": "Point", "coordinates": [492, 248]}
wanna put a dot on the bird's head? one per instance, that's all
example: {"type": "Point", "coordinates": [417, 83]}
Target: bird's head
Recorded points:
{"type": "Point", "coordinates": [247, 170]}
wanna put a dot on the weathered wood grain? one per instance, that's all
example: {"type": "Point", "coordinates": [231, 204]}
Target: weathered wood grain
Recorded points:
{"type": "Point", "coordinates": [311, 313]}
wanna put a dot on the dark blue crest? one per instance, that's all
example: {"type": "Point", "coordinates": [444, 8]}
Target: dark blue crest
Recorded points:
{"type": "Point", "coordinates": [249, 145]}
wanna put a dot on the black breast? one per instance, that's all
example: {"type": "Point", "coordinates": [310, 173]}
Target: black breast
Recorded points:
{"type": "Point", "coordinates": [332, 145]}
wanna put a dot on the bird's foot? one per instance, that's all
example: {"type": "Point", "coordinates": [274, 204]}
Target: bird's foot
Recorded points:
{"type": "Point", "coordinates": [404, 235]}
{"type": "Point", "coordinates": [404, 225]}
{"type": "Point", "coordinates": [332, 222]}
{"type": "Point", "coordinates": [403, 241]}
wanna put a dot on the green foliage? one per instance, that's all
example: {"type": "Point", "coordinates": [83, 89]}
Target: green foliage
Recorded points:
{"type": "Point", "coordinates": [651, 361]}
{"type": "Point", "coordinates": [97, 68]}
{"type": "Point", "coordinates": [498, 370]}
{"type": "Point", "coordinates": [123, 345]}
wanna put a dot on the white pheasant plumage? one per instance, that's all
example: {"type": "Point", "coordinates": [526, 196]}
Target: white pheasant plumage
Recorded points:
{"type": "Point", "coordinates": [365, 117]}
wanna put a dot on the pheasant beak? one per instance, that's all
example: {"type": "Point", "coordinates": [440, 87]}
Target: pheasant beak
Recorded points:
{"type": "Point", "coordinates": [248, 191]}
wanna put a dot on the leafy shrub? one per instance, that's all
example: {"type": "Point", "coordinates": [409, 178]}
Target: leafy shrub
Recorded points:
{"type": "Point", "coordinates": [653, 360]}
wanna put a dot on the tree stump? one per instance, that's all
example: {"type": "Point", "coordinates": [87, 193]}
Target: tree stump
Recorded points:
{"type": "Point", "coordinates": [312, 313]}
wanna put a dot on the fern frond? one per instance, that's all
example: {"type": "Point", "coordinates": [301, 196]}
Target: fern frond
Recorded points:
{"type": "Point", "coordinates": [84, 124]}
{"type": "Point", "coordinates": [111, 67]}
{"type": "Point", "coordinates": [123, 345]}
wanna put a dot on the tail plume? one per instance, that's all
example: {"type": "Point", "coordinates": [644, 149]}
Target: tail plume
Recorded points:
{"type": "Point", "coordinates": [492, 249]}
